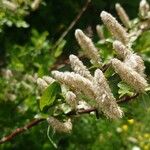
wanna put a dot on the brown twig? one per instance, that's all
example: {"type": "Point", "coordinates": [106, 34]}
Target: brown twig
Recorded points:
{"type": "Point", "coordinates": [72, 24]}
{"type": "Point", "coordinates": [105, 67]}
{"type": "Point", "coordinates": [21, 130]}
{"type": "Point", "coordinates": [127, 98]}
{"type": "Point", "coordinates": [35, 122]}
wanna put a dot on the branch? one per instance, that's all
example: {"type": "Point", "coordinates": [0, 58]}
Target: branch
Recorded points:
{"type": "Point", "coordinates": [127, 98]}
{"type": "Point", "coordinates": [21, 130]}
{"type": "Point", "coordinates": [72, 23]}
{"type": "Point", "coordinates": [35, 122]}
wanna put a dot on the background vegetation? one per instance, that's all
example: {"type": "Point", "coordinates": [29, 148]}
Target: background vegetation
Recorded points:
{"type": "Point", "coordinates": [28, 48]}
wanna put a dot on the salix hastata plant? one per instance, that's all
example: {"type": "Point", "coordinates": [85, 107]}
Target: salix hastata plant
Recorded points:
{"type": "Point", "coordinates": [82, 89]}
{"type": "Point", "coordinates": [12, 12]}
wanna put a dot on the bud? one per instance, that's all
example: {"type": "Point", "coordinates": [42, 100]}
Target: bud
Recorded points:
{"type": "Point", "coordinates": [60, 126]}
{"type": "Point", "coordinates": [129, 76]}
{"type": "Point", "coordinates": [88, 47]}
{"type": "Point", "coordinates": [100, 32]}
{"type": "Point", "coordinates": [71, 99]}
{"type": "Point", "coordinates": [122, 15]}
{"type": "Point", "coordinates": [114, 27]}
{"type": "Point", "coordinates": [143, 9]}
{"type": "Point", "coordinates": [104, 97]}
{"type": "Point", "coordinates": [79, 67]}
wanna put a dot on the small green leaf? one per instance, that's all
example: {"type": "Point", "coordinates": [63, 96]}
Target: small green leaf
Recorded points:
{"type": "Point", "coordinates": [124, 89]}
{"type": "Point", "coordinates": [49, 95]}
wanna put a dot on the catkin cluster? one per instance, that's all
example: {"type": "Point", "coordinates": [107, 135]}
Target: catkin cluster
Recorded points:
{"type": "Point", "coordinates": [95, 87]}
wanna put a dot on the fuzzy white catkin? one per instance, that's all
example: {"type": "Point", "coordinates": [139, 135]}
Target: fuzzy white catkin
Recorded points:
{"type": "Point", "coordinates": [42, 83]}
{"type": "Point", "coordinates": [35, 4]}
{"type": "Point", "coordinates": [58, 126]}
{"type": "Point", "coordinates": [104, 97]}
{"type": "Point", "coordinates": [9, 5]}
{"type": "Point", "coordinates": [87, 45]}
{"type": "Point", "coordinates": [30, 78]}
{"type": "Point", "coordinates": [79, 67]}
{"type": "Point", "coordinates": [7, 73]}
{"type": "Point", "coordinates": [131, 60]}
{"type": "Point", "coordinates": [71, 99]}
{"type": "Point", "coordinates": [121, 49]}
{"type": "Point", "coordinates": [136, 63]}
{"type": "Point", "coordinates": [75, 81]}
{"type": "Point", "coordinates": [114, 27]}
{"type": "Point", "coordinates": [48, 79]}
{"type": "Point", "coordinates": [128, 75]}
{"type": "Point", "coordinates": [100, 33]}
{"type": "Point", "coordinates": [122, 15]}
{"type": "Point", "coordinates": [143, 8]}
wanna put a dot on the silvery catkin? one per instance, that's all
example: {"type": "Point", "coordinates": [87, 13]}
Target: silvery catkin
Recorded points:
{"type": "Point", "coordinates": [88, 47]}
{"type": "Point", "coordinates": [71, 99]}
{"type": "Point", "coordinates": [136, 63]}
{"type": "Point", "coordinates": [143, 9]}
{"type": "Point", "coordinates": [61, 127]}
{"type": "Point", "coordinates": [75, 81]}
{"type": "Point", "coordinates": [42, 83]}
{"type": "Point", "coordinates": [121, 49]}
{"type": "Point", "coordinates": [104, 97]}
{"type": "Point", "coordinates": [78, 67]}
{"type": "Point", "coordinates": [114, 27]}
{"type": "Point", "coordinates": [100, 32]}
{"type": "Point", "coordinates": [128, 75]}
{"type": "Point", "coordinates": [122, 15]}
{"type": "Point", "coordinates": [48, 79]}
{"type": "Point", "coordinates": [9, 5]}
{"type": "Point", "coordinates": [131, 60]}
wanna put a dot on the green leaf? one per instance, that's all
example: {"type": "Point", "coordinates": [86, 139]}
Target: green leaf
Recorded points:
{"type": "Point", "coordinates": [49, 95]}
{"type": "Point", "coordinates": [124, 89]}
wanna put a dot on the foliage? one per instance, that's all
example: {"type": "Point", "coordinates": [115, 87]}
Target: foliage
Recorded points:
{"type": "Point", "coordinates": [29, 53]}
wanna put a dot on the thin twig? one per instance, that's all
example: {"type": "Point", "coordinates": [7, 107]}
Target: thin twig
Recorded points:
{"type": "Point", "coordinates": [21, 130]}
{"type": "Point", "coordinates": [35, 122]}
{"type": "Point", "coordinates": [127, 98]}
{"type": "Point", "coordinates": [72, 24]}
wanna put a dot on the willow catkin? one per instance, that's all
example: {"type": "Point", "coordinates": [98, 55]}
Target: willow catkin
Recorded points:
{"type": "Point", "coordinates": [9, 5]}
{"type": "Point", "coordinates": [104, 97]}
{"type": "Point", "coordinates": [35, 4]}
{"type": "Point", "coordinates": [71, 99]}
{"type": "Point", "coordinates": [131, 60]}
{"type": "Point", "coordinates": [136, 63]}
{"type": "Point", "coordinates": [114, 27]}
{"type": "Point", "coordinates": [143, 9]}
{"type": "Point", "coordinates": [121, 49]}
{"type": "Point", "coordinates": [75, 81]}
{"type": "Point", "coordinates": [49, 80]}
{"type": "Point", "coordinates": [122, 15]}
{"type": "Point", "coordinates": [42, 83]}
{"type": "Point", "coordinates": [79, 67]}
{"type": "Point", "coordinates": [100, 32]}
{"type": "Point", "coordinates": [88, 47]}
{"type": "Point", "coordinates": [128, 75]}
{"type": "Point", "coordinates": [58, 126]}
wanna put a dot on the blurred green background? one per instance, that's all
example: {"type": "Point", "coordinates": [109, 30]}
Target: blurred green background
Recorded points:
{"type": "Point", "coordinates": [26, 47]}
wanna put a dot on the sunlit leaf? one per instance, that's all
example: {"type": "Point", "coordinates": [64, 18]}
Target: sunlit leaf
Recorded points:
{"type": "Point", "coordinates": [49, 95]}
